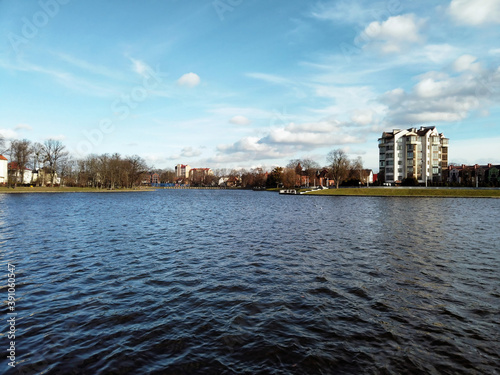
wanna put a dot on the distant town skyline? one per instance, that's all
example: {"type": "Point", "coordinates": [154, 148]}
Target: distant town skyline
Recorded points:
{"type": "Point", "coordinates": [230, 84]}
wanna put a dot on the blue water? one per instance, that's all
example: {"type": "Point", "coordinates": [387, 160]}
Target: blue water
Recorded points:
{"type": "Point", "coordinates": [223, 282]}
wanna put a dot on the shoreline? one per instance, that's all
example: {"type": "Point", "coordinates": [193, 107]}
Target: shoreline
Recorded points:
{"type": "Point", "coordinates": [44, 190]}
{"type": "Point", "coordinates": [408, 192]}
{"type": "Point", "coordinates": [342, 192]}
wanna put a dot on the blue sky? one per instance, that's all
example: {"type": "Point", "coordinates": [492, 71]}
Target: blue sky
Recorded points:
{"type": "Point", "coordinates": [246, 83]}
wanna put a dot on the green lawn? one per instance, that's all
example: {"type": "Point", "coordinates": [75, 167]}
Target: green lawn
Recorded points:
{"type": "Point", "coordinates": [404, 192]}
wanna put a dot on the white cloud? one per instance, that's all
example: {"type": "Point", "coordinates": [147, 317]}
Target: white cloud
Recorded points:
{"type": "Point", "coordinates": [8, 134]}
{"type": "Point", "coordinates": [64, 78]}
{"type": "Point", "coordinates": [393, 35]}
{"type": "Point", "coordinates": [140, 67]}
{"type": "Point", "coordinates": [440, 97]}
{"type": "Point", "coordinates": [189, 152]}
{"type": "Point", "coordinates": [189, 80]}
{"type": "Point", "coordinates": [249, 148]}
{"type": "Point", "coordinates": [466, 62]}
{"type": "Point", "coordinates": [284, 141]}
{"type": "Point", "coordinates": [23, 127]}
{"type": "Point", "coordinates": [475, 12]}
{"type": "Point", "coordinates": [240, 120]}
{"type": "Point", "coordinates": [437, 53]}
{"type": "Point", "coordinates": [186, 152]}
{"type": "Point", "coordinates": [352, 12]}
{"type": "Point", "coordinates": [362, 117]}
{"type": "Point", "coordinates": [88, 67]}
{"type": "Point", "coordinates": [271, 78]}
{"type": "Point", "coordinates": [243, 111]}
{"type": "Point", "coordinates": [308, 139]}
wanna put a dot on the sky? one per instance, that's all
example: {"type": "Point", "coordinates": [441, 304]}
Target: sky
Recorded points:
{"type": "Point", "coordinates": [249, 83]}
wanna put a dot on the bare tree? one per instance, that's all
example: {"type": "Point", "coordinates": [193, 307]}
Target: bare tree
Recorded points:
{"type": "Point", "coordinates": [339, 164]}
{"type": "Point", "coordinates": [20, 153]}
{"type": "Point", "coordinates": [53, 151]}
{"type": "Point", "coordinates": [136, 167]}
{"type": "Point", "coordinates": [304, 167]}
{"type": "Point", "coordinates": [68, 169]}
{"type": "Point", "coordinates": [289, 178]}
{"type": "Point", "coordinates": [37, 155]}
{"type": "Point", "coordinates": [357, 169]}
{"type": "Point", "coordinates": [2, 144]}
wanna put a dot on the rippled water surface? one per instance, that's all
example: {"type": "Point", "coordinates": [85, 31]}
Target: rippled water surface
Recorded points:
{"type": "Point", "coordinates": [223, 282]}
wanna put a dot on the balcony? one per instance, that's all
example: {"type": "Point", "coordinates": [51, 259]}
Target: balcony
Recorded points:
{"type": "Point", "coordinates": [411, 139]}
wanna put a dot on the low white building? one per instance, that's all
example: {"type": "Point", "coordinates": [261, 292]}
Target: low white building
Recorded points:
{"type": "Point", "coordinates": [3, 170]}
{"type": "Point", "coordinates": [367, 176]}
{"type": "Point", "coordinates": [24, 178]}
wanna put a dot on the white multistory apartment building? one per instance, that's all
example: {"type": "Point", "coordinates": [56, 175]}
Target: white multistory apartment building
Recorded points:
{"type": "Point", "coordinates": [182, 170]}
{"type": "Point", "coordinates": [420, 153]}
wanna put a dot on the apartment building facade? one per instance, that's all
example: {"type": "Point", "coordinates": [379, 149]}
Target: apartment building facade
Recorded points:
{"type": "Point", "coordinates": [419, 153]}
{"type": "Point", "coordinates": [182, 170]}
{"type": "Point", "coordinates": [199, 175]}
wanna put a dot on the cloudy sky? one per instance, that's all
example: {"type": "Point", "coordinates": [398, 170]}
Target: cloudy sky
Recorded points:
{"type": "Point", "coordinates": [244, 83]}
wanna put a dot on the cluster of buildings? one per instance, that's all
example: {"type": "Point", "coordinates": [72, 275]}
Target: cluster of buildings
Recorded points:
{"type": "Point", "coordinates": [474, 175]}
{"type": "Point", "coordinates": [184, 172]}
{"type": "Point", "coordinates": [39, 177]}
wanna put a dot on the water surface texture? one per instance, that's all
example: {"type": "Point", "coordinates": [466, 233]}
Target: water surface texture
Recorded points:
{"type": "Point", "coordinates": [223, 282]}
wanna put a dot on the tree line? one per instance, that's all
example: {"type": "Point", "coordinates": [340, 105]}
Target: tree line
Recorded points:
{"type": "Point", "coordinates": [53, 165]}
{"type": "Point", "coordinates": [340, 169]}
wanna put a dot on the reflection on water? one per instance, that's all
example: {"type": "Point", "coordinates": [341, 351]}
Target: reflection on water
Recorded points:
{"type": "Point", "coordinates": [188, 281]}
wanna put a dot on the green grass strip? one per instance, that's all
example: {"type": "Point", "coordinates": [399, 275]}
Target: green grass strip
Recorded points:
{"type": "Point", "coordinates": [404, 192]}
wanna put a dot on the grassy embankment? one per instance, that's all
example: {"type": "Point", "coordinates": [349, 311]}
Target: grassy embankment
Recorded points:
{"type": "Point", "coordinates": [23, 189]}
{"type": "Point", "coordinates": [415, 192]}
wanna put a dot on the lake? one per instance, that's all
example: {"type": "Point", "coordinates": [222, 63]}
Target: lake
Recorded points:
{"type": "Point", "coordinates": [224, 282]}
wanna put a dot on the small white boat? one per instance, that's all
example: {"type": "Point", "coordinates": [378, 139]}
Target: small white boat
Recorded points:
{"type": "Point", "coordinates": [288, 191]}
